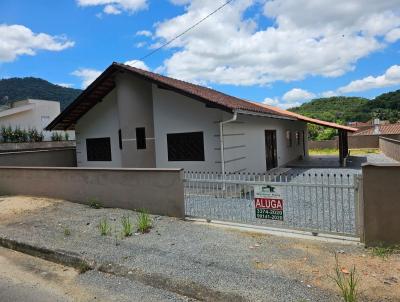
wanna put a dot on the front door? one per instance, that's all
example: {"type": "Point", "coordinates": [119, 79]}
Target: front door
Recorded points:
{"type": "Point", "coordinates": [270, 149]}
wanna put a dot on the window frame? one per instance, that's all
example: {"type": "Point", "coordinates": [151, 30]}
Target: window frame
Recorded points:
{"type": "Point", "coordinates": [90, 154]}
{"type": "Point", "coordinates": [289, 140]}
{"type": "Point", "coordinates": [199, 157]}
{"type": "Point", "coordinates": [141, 138]}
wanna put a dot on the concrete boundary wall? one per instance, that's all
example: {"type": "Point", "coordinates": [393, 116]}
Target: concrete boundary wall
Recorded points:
{"type": "Point", "coordinates": [380, 206]}
{"type": "Point", "coordinates": [390, 147]}
{"type": "Point", "coordinates": [65, 157]}
{"type": "Point", "coordinates": [13, 147]}
{"type": "Point", "coordinates": [159, 191]}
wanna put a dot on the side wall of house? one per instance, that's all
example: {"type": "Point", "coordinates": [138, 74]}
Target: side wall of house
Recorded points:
{"type": "Point", "coordinates": [101, 121]}
{"type": "Point", "coordinates": [135, 110]}
{"type": "Point", "coordinates": [175, 113]}
{"type": "Point", "coordinates": [244, 139]}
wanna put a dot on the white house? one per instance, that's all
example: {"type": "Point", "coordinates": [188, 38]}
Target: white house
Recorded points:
{"type": "Point", "coordinates": [31, 114]}
{"type": "Point", "coordinates": [130, 117]}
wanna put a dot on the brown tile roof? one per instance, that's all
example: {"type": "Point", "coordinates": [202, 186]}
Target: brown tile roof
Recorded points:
{"type": "Point", "coordinates": [383, 130]}
{"type": "Point", "coordinates": [105, 83]}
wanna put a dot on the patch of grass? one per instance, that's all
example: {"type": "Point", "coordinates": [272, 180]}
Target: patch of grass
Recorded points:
{"type": "Point", "coordinates": [363, 151]}
{"type": "Point", "coordinates": [347, 281]}
{"type": "Point", "coordinates": [327, 151]}
{"type": "Point", "coordinates": [384, 251]}
{"type": "Point", "coordinates": [332, 151]}
{"type": "Point", "coordinates": [127, 226]}
{"type": "Point", "coordinates": [83, 267]}
{"type": "Point", "coordinates": [104, 227]}
{"type": "Point", "coordinates": [143, 222]}
{"type": "Point", "coordinates": [94, 203]}
{"type": "Point", "coordinates": [67, 232]}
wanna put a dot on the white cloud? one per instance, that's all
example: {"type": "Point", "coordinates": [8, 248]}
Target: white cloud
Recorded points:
{"type": "Point", "coordinates": [276, 102]}
{"type": "Point", "coordinates": [270, 101]}
{"type": "Point", "coordinates": [87, 75]}
{"type": "Point", "coordinates": [390, 78]}
{"type": "Point", "coordinates": [17, 40]}
{"type": "Point", "coordinates": [306, 38]}
{"type": "Point", "coordinates": [297, 94]}
{"type": "Point", "coordinates": [116, 6]}
{"type": "Point", "coordinates": [65, 85]}
{"type": "Point", "coordinates": [393, 35]}
{"type": "Point", "coordinates": [144, 33]}
{"type": "Point", "coordinates": [329, 93]}
{"type": "Point", "coordinates": [137, 64]}
{"type": "Point", "coordinates": [140, 44]}
{"type": "Point", "coordinates": [111, 10]}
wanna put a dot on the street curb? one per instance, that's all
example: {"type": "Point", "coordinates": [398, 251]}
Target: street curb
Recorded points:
{"type": "Point", "coordinates": [180, 286]}
{"type": "Point", "coordinates": [60, 257]}
{"type": "Point", "coordinates": [160, 281]}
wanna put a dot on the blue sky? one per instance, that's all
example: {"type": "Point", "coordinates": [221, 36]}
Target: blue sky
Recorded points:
{"type": "Point", "coordinates": [281, 52]}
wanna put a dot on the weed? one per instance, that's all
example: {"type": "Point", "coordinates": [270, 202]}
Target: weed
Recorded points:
{"type": "Point", "coordinates": [83, 267]}
{"type": "Point", "coordinates": [143, 222]}
{"type": "Point", "coordinates": [67, 232]}
{"type": "Point", "coordinates": [384, 251]}
{"type": "Point", "coordinates": [94, 203]}
{"type": "Point", "coordinates": [127, 227]}
{"type": "Point", "coordinates": [346, 281]}
{"type": "Point", "coordinates": [104, 227]}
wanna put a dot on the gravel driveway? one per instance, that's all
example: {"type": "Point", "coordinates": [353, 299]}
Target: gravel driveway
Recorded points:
{"type": "Point", "coordinates": [180, 255]}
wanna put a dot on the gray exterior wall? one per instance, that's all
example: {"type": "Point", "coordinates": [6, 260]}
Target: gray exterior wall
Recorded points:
{"type": "Point", "coordinates": [65, 157]}
{"type": "Point", "coordinates": [136, 103]}
{"type": "Point", "coordinates": [12, 147]}
{"type": "Point", "coordinates": [135, 110]}
{"type": "Point", "coordinates": [244, 139]}
{"type": "Point", "coordinates": [156, 190]}
{"type": "Point", "coordinates": [101, 121]}
{"type": "Point", "coordinates": [390, 147]}
{"type": "Point", "coordinates": [380, 208]}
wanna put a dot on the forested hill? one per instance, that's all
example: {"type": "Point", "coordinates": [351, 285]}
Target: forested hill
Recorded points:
{"type": "Point", "coordinates": [348, 109]}
{"type": "Point", "coordinates": [22, 88]}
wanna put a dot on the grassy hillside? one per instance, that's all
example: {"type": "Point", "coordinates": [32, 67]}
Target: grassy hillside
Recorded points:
{"type": "Point", "coordinates": [335, 109]}
{"type": "Point", "coordinates": [35, 88]}
{"type": "Point", "coordinates": [349, 109]}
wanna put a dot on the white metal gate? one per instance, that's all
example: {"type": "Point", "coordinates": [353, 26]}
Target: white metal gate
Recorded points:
{"type": "Point", "coordinates": [321, 203]}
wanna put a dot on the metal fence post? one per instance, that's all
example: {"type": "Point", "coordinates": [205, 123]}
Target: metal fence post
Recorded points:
{"type": "Point", "coordinates": [357, 180]}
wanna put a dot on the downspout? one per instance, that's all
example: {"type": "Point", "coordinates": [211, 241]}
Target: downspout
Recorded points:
{"type": "Point", "coordinates": [221, 138]}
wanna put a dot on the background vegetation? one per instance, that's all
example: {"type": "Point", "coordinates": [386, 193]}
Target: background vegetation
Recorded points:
{"type": "Point", "coordinates": [16, 89]}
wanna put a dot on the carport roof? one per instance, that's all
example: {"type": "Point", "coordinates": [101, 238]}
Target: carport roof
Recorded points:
{"type": "Point", "coordinates": [95, 92]}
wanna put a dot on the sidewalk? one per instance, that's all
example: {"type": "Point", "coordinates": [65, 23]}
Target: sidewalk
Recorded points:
{"type": "Point", "coordinates": [197, 261]}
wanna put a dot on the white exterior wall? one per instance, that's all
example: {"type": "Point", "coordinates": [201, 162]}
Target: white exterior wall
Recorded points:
{"type": "Point", "coordinates": [101, 121]}
{"type": "Point", "coordinates": [32, 114]}
{"type": "Point", "coordinates": [175, 113]}
{"type": "Point", "coordinates": [244, 140]}
{"type": "Point", "coordinates": [248, 142]}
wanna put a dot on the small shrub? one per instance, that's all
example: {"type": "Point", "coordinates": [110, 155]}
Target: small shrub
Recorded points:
{"type": "Point", "coordinates": [94, 203]}
{"type": "Point", "coordinates": [127, 227]}
{"type": "Point", "coordinates": [67, 232]}
{"type": "Point", "coordinates": [104, 227]}
{"type": "Point", "coordinates": [347, 283]}
{"type": "Point", "coordinates": [83, 267]}
{"type": "Point", "coordinates": [143, 222]}
{"type": "Point", "coordinates": [384, 251]}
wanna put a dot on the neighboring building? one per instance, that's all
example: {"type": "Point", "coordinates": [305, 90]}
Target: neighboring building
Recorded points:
{"type": "Point", "coordinates": [381, 129]}
{"type": "Point", "coordinates": [129, 117]}
{"type": "Point", "coordinates": [31, 114]}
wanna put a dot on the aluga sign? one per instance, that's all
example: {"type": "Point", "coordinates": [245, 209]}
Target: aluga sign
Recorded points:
{"type": "Point", "coordinates": [268, 202]}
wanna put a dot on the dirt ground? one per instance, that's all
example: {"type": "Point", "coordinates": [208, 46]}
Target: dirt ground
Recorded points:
{"type": "Point", "coordinates": [12, 207]}
{"type": "Point", "coordinates": [378, 277]}
{"type": "Point", "coordinates": [311, 262]}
